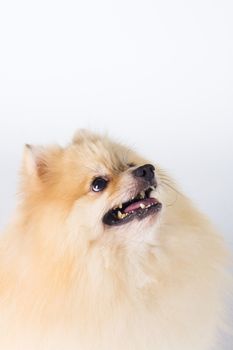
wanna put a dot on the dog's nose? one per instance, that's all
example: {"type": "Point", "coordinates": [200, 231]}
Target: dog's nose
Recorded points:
{"type": "Point", "coordinates": [146, 172]}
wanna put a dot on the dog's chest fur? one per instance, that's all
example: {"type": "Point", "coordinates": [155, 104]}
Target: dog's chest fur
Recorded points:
{"type": "Point", "coordinates": [127, 306]}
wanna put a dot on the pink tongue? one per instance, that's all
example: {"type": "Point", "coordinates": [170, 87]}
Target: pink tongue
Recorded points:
{"type": "Point", "coordinates": [136, 205]}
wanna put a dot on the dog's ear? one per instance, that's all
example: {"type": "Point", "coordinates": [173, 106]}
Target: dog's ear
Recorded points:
{"type": "Point", "coordinates": [81, 135]}
{"type": "Point", "coordinates": [34, 160]}
{"type": "Point", "coordinates": [38, 160]}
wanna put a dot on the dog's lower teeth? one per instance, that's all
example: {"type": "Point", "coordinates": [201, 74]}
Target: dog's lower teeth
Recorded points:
{"type": "Point", "coordinates": [119, 214]}
{"type": "Point", "coordinates": [142, 206]}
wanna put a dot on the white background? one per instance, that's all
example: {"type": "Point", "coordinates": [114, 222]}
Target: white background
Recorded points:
{"type": "Point", "coordinates": [155, 74]}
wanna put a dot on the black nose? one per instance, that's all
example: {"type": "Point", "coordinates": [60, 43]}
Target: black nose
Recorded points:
{"type": "Point", "coordinates": [146, 172]}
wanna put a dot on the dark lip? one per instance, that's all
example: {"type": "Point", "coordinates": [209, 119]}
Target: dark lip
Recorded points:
{"type": "Point", "coordinates": [111, 218]}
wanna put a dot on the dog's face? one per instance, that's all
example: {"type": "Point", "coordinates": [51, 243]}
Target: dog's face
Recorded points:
{"type": "Point", "coordinates": [94, 188]}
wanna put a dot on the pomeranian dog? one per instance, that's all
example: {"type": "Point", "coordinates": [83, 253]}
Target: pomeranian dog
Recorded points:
{"type": "Point", "coordinates": [105, 253]}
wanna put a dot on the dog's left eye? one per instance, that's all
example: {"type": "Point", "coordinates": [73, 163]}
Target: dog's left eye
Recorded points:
{"type": "Point", "coordinates": [99, 184]}
{"type": "Point", "coordinates": [131, 165]}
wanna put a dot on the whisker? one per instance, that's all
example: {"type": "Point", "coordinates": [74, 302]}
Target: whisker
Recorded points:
{"type": "Point", "coordinates": [167, 182]}
{"type": "Point", "coordinates": [164, 183]}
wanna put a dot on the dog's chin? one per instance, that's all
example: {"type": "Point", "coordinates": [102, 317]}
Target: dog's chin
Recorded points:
{"type": "Point", "coordinates": [142, 208]}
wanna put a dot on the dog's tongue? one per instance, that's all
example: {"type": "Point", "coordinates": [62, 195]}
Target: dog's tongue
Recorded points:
{"type": "Point", "coordinates": [136, 205]}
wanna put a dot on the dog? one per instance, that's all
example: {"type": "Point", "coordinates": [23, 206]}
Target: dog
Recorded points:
{"type": "Point", "coordinates": [105, 253]}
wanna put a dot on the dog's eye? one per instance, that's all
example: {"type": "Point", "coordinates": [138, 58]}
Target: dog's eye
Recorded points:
{"type": "Point", "coordinates": [131, 165]}
{"type": "Point", "coordinates": [99, 184]}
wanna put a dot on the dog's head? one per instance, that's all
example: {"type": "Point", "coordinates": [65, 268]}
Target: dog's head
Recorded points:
{"type": "Point", "coordinates": [93, 188]}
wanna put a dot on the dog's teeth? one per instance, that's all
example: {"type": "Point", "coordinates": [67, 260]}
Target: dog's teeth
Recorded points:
{"type": "Point", "coordinates": [142, 206]}
{"type": "Point", "coordinates": [122, 215]}
{"type": "Point", "coordinates": [120, 206]}
{"type": "Point", "coordinates": [119, 214]}
{"type": "Point", "coordinates": [142, 194]}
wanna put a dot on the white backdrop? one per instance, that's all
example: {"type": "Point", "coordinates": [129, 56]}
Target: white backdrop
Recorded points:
{"type": "Point", "coordinates": [155, 74]}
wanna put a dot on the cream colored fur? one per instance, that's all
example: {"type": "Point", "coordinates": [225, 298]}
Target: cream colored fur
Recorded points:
{"type": "Point", "coordinates": [67, 282]}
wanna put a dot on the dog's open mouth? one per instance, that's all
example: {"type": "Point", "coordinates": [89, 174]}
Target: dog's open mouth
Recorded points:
{"type": "Point", "coordinates": [138, 208]}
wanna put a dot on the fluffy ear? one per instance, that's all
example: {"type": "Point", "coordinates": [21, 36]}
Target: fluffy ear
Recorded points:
{"type": "Point", "coordinates": [79, 135]}
{"type": "Point", "coordinates": [82, 134]}
{"type": "Point", "coordinates": [34, 160]}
